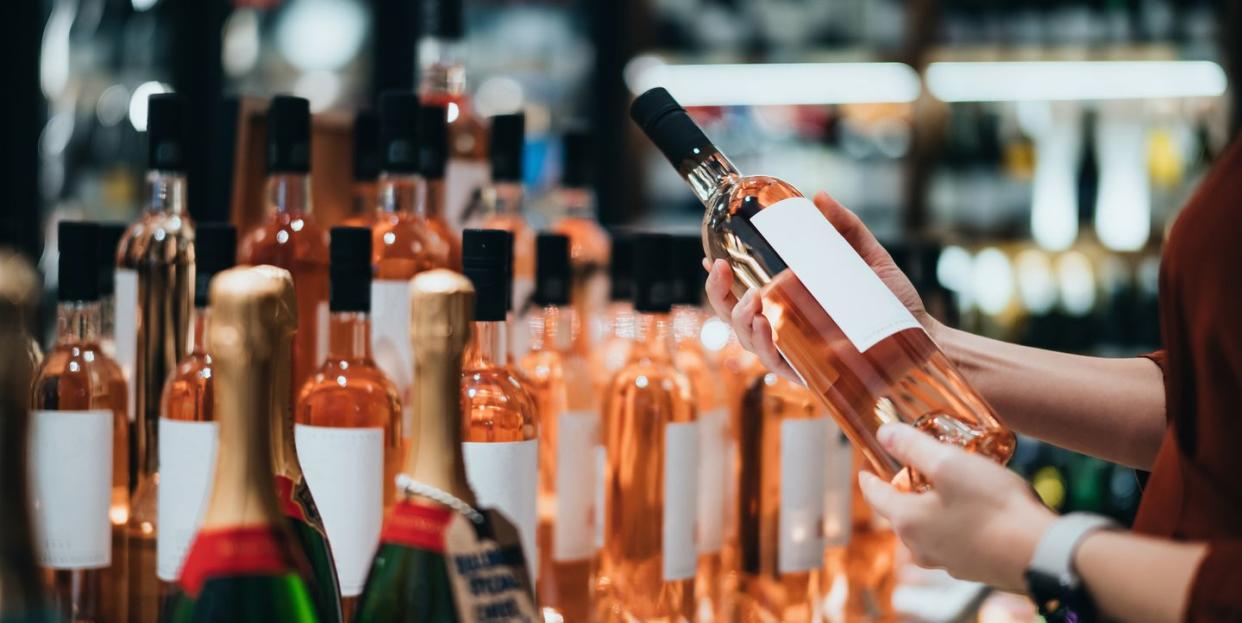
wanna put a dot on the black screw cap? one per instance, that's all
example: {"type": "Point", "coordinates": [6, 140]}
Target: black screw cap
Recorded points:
{"type": "Point", "coordinates": [349, 270]}
{"type": "Point", "coordinates": [78, 242]}
{"type": "Point", "coordinates": [110, 234]}
{"type": "Point", "coordinates": [433, 141]}
{"type": "Point", "coordinates": [621, 265]}
{"type": "Point", "coordinates": [166, 132]}
{"type": "Point", "coordinates": [653, 291]}
{"type": "Point", "coordinates": [507, 140]}
{"type": "Point", "coordinates": [487, 260]}
{"type": "Point", "coordinates": [688, 273]}
{"type": "Point", "coordinates": [578, 161]}
{"type": "Point", "coordinates": [668, 126]}
{"type": "Point", "coordinates": [399, 131]}
{"type": "Point", "coordinates": [366, 146]}
{"type": "Point", "coordinates": [553, 276]}
{"type": "Point", "coordinates": [443, 19]}
{"type": "Point", "coordinates": [215, 251]}
{"type": "Point", "coordinates": [288, 135]}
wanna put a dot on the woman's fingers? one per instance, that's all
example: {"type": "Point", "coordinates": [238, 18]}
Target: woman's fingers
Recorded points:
{"type": "Point", "coordinates": [743, 319]}
{"type": "Point", "coordinates": [719, 288]}
{"type": "Point", "coordinates": [884, 498]}
{"type": "Point", "coordinates": [944, 465]}
{"type": "Point", "coordinates": [765, 348]}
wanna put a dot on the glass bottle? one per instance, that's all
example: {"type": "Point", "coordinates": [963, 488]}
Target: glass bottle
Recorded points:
{"type": "Point", "coordinates": [860, 576]}
{"type": "Point", "coordinates": [589, 246]}
{"type": "Point", "coordinates": [649, 559]}
{"type": "Point", "coordinates": [289, 237]}
{"type": "Point", "coordinates": [433, 158]}
{"type": "Point", "coordinates": [853, 343]}
{"type": "Point", "coordinates": [442, 82]}
{"type": "Point", "coordinates": [348, 416]}
{"type": "Point", "coordinates": [500, 420]}
{"type": "Point", "coordinates": [110, 235]}
{"type": "Point", "coordinates": [365, 194]}
{"type": "Point", "coordinates": [568, 437]}
{"type": "Point", "coordinates": [79, 449]}
{"type": "Point", "coordinates": [501, 203]}
{"type": "Point", "coordinates": [614, 329]}
{"type": "Point", "coordinates": [187, 428]}
{"type": "Point", "coordinates": [243, 564]}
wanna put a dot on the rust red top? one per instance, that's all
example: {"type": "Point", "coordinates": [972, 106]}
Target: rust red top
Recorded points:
{"type": "Point", "coordinates": [1195, 489]}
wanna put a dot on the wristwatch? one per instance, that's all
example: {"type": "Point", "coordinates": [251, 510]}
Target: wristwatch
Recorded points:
{"type": "Point", "coordinates": [1053, 583]}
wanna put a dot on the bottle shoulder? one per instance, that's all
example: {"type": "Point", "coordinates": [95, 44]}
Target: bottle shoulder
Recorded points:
{"type": "Point", "coordinates": [360, 379]}
{"type": "Point", "coordinates": [498, 396]}
{"type": "Point", "coordinates": [652, 376]}
{"type": "Point", "coordinates": [78, 376]}
{"type": "Point", "coordinates": [157, 237]}
{"type": "Point", "coordinates": [282, 238]}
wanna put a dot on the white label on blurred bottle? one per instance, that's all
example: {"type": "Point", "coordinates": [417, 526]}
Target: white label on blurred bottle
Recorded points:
{"type": "Point", "coordinates": [462, 178]}
{"type": "Point", "coordinates": [390, 340]}
{"type": "Point", "coordinates": [187, 464]}
{"type": "Point", "coordinates": [835, 275]}
{"type": "Point", "coordinates": [712, 448]}
{"type": "Point", "coordinates": [71, 488]}
{"type": "Point", "coordinates": [574, 536]}
{"type": "Point", "coordinates": [838, 488]}
{"type": "Point", "coordinates": [681, 478]}
{"type": "Point", "coordinates": [505, 476]}
{"type": "Point", "coordinates": [125, 330]}
{"type": "Point", "coordinates": [801, 543]}
{"type": "Point", "coordinates": [601, 495]}
{"type": "Point", "coordinates": [345, 472]}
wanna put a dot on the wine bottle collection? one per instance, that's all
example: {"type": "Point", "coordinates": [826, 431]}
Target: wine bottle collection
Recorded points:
{"type": "Point", "coordinates": [436, 413]}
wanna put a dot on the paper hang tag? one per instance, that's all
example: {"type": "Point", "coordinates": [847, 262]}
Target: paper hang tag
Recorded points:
{"type": "Point", "coordinates": [487, 570]}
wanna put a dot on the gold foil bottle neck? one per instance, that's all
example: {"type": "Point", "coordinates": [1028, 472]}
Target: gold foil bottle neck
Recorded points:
{"type": "Point", "coordinates": [249, 310]}
{"type": "Point", "coordinates": [286, 318]}
{"type": "Point", "coordinates": [441, 310]}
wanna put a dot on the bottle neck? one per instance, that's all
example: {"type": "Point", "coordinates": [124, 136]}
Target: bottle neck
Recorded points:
{"type": "Point", "coordinates": [712, 171]}
{"type": "Point", "coordinates": [441, 68]}
{"type": "Point", "coordinates": [435, 397]}
{"type": "Point", "coordinates": [578, 202]}
{"type": "Point", "coordinates": [507, 198]}
{"type": "Point", "coordinates": [283, 449]}
{"type": "Point", "coordinates": [198, 332]}
{"type": "Point", "coordinates": [553, 328]}
{"type": "Point", "coordinates": [349, 336]}
{"type": "Point", "coordinates": [433, 197]}
{"type": "Point", "coordinates": [77, 322]}
{"type": "Point", "coordinates": [653, 336]}
{"type": "Point", "coordinates": [365, 198]}
{"type": "Point", "coordinates": [166, 192]}
{"type": "Point", "coordinates": [687, 322]}
{"type": "Point", "coordinates": [489, 345]}
{"type": "Point", "coordinates": [400, 193]}
{"type": "Point", "coordinates": [289, 193]}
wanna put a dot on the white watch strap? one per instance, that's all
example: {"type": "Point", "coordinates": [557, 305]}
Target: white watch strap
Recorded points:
{"type": "Point", "coordinates": [1054, 556]}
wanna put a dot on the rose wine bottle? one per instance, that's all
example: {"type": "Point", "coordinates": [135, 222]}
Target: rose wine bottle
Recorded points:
{"type": "Point", "coordinates": [79, 449]}
{"type": "Point", "coordinates": [500, 420]}
{"type": "Point", "coordinates": [154, 294]}
{"type": "Point", "coordinates": [292, 491]}
{"type": "Point", "coordinates": [568, 437]}
{"type": "Point", "coordinates": [289, 237]}
{"type": "Point", "coordinates": [500, 203]}
{"type": "Point", "coordinates": [243, 564]}
{"type": "Point", "coordinates": [110, 234]}
{"type": "Point", "coordinates": [365, 191]}
{"type": "Point", "coordinates": [861, 575]}
{"type": "Point", "coordinates": [847, 335]}
{"type": "Point", "coordinates": [403, 242]}
{"type": "Point", "coordinates": [409, 578]}
{"type": "Point", "coordinates": [442, 82]}
{"type": "Point", "coordinates": [187, 428]}
{"type": "Point", "coordinates": [614, 330]}
{"type": "Point", "coordinates": [589, 247]}
{"type": "Point", "coordinates": [649, 560]}
{"type": "Point", "coordinates": [433, 154]}
{"type": "Point", "coordinates": [348, 427]}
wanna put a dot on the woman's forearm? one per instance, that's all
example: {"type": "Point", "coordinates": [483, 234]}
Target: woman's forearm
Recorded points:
{"type": "Point", "coordinates": [1134, 578]}
{"type": "Point", "coordinates": [1108, 408]}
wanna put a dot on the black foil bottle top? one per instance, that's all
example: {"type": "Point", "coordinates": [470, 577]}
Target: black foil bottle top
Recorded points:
{"type": "Point", "coordinates": [110, 234]}
{"type": "Point", "coordinates": [668, 126]}
{"type": "Point", "coordinates": [433, 141]}
{"type": "Point", "coordinates": [653, 291]}
{"type": "Point", "coordinates": [553, 276]}
{"type": "Point", "coordinates": [349, 270]}
{"type": "Point", "coordinates": [442, 19]}
{"type": "Point", "coordinates": [366, 146]}
{"type": "Point", "coordinates": [288, 135]}
{"type": "Point", "coordinates": [399, 131]}
{"type": "Point", "coordinates": [487, 260]}
{"type": "Point", "coordinates": [620, 266]}
{"type": "Point", "coordinates": [576, 147]}
{"type": "Point", "coordinates": [77, 278]}
{"type": "Point", "coordinates": [687, 269]}
{"type": "Point", "coordinates": [215, 251]}
{"type": "Point", "coordinates": [508, 137]}
{"type": "Point", "coordinates": [166, 132]}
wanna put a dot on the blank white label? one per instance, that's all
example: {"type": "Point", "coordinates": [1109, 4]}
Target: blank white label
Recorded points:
{"type": "Point", "coordinates": [71, 488]}
{"type": "Point", "coordinates": [187, 464]}
{"type": "Point", "coordinates": [505, 476]}
{"type": "Point", "coordinates": [801, 543]}
{"type": "Point", "coordinates": [681, 478]}
{"type": "Point", "coordinates": [461, 179]}
{"type": "Point", "coordinates": [574, 536]}
{"type": "Point", "coordinates": [841, 282]}
{"type": "Point", "coordinates": [125, 330]}
{"type": "Point", "coordinates": [713, 446]}
{"type": "Point", "coordinates": [601, 496]}
{"type": "Point", "coordinates": [390, 340]}
{"type": "Point", "coordinates": [344, 469]}
{"type": "Point", "coordinates": [838, 488]}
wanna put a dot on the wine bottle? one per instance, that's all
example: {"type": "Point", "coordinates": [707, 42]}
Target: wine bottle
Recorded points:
{"type": "Point", "coordinates": [409, 577]}
{"type": "Point", "coordinates": [649, 560]}
{"type": "Point", "coordinates": [589, 246]}
{"type": "Point", "coordinates": [289, 236]}
{"type": "Point", "coordinates": [365, 192]}
{"type": "Point", "coordinates": [615, 332]}
{"type": "Point", "coordinates": [348, 417]}
{"type": "Point", "coordinates": [21, 592]}
{"type": "Point", "coordinates": [187, 429]}
{"type": "Point", "coordinates": [433, 157]}
{"type": "Point", "coordinates": [568, 437]}
{"type": "Point", "coordinates": [154, 294]}
{"type": "Point", "coordinates": [501, 203]}
{"type": "Point", "coordinates": [442, 82]}
{"type": "Point", "coordinates": [243, 564]}
{"type": "Point", "coordinates": [79, 448]}
{"type": "Point", "coordinates": [854, 344]}
{"type": "Point", "coordinates": [500, 420]}
{"type": "Point", "coordinates": [292, 492]}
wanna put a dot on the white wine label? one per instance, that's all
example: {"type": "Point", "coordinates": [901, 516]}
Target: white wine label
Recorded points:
{"type": "Point", "coordinates": [321, 329]}
{"type": "Point", "coordinates": [801, 544]}
{"type": "Point", "coordinates": [681, 478]}
{"type": "Point", "coordinates": [187, 464]}
{"type": "Point", "coordinates": [390, 340]}
{"type": "Point", "coordinates": [841, 282]}
{"type": "Point", "coordinates": [713, 446]}
{"type": "Point", "coordinates": [601, 495]}
{"type": "Point", "coordinates": [838, 487]}
{"type": "Point", "coordinates": [576, 440]}
{"type": "Point", "coordinates": [505, 476]}
{"type": "Point", "coordinates": [71, 488]}
{"type": "Point", "coordinates": [345, 472]}
{"type": "Point", "coordinates": [462, 178]}
{"type": "Point", "coordinates": [125, 330]}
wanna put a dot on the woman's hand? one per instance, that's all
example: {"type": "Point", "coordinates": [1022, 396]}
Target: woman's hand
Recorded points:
{"type": "Point", "coordinates": [979, 521]}
{"type": "Point", "coordinates": [752, 328]}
